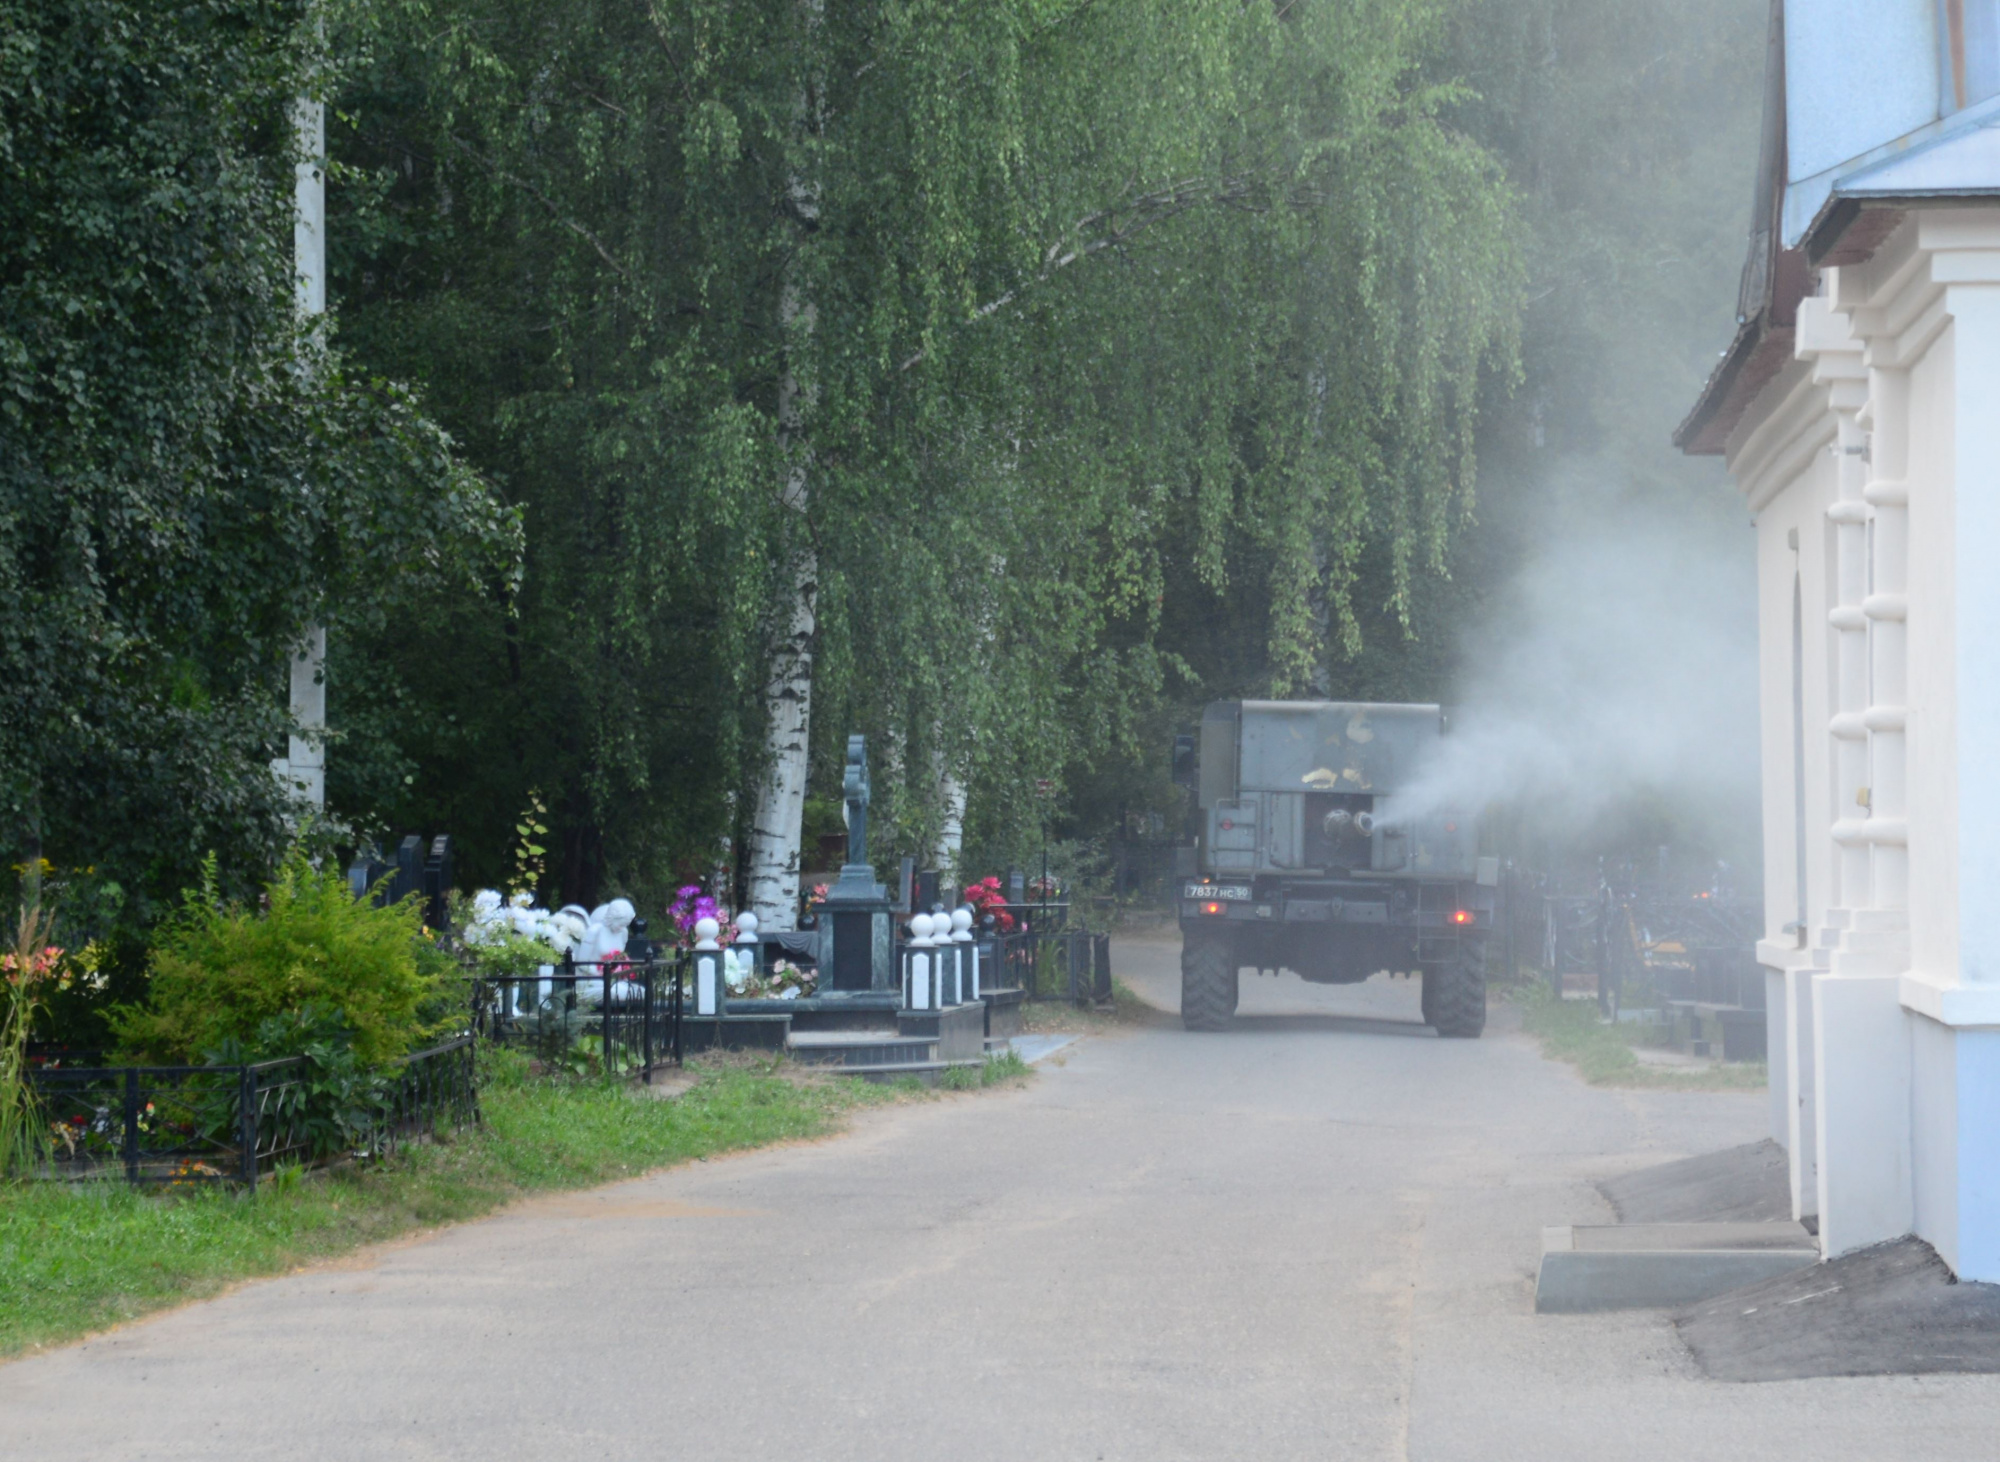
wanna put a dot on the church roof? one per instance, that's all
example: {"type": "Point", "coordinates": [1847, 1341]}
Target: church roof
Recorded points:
{"type": "Point", "coordinates": [1856, 131]}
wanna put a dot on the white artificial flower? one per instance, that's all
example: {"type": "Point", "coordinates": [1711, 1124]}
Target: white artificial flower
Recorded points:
{"type": "Point", "coordinates": [486, 902]}
{"type": "Point", "coordinates": [790, 992]}
{"type": "Point", "coordinates": [521, 900]}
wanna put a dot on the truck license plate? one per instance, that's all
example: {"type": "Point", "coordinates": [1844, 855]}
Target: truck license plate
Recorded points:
{"type": "Point", "coordinates": [1212, 891]}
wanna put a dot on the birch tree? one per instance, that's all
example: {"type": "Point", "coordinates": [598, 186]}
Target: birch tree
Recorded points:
{"type": "Point", "coordinates": [1050, 318]}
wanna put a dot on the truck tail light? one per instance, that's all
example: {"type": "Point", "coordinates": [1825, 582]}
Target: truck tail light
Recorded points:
{"type": "Point", "coordinates": [1211, 908]}
{"type": "Point", "coordinates": [1462, 916]}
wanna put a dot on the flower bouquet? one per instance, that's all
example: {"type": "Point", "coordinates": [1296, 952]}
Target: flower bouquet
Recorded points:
{"type": "Point", "coordinates": [985, 898]}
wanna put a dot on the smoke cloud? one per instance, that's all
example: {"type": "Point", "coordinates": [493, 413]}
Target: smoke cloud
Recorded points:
{"type": "Point", "coordinates": [1618, 669]}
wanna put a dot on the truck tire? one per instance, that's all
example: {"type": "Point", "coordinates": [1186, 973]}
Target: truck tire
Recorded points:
{"type": "Point", "coordinates": [1208, 985]}
{"type": "Point", "coordinates": [1454, 996]}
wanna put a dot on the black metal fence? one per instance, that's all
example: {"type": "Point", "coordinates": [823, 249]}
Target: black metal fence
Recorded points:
{"type": "Point", "coordinates": [435, 1092]}
{"type": "Point", "coordinates": [191, 1125]}
{"type": "Point", "coordinates": [1063, 964]}
{"type": "Point", "coordinates": [615, 1018]}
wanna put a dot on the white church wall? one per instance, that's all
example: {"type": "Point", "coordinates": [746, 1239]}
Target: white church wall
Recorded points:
{"type": "Point", "coordinates": [1933, 658]}
{"type": "Point", "coordinates": [1934, 1136]}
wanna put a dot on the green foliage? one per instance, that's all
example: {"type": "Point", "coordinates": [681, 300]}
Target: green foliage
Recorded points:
{"type": "Point", "coordinates": [330, 1104]}
{"type": "Point", "coordinates": [24, 1135]}
{"type": "Point", "coordinates": [1043, 338]}
{"type": "Point", "coordinates": [529, 848]}
{"type": "Point", "coordinates": [220, 971]}
{"type": "Point", "coordinates": [186, 480]}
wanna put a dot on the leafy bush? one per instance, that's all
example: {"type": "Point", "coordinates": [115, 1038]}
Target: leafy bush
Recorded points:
{"type": "Point", "coordinates": [218, 971]}
{"type": "Point", "coordinates": [335, 1099]}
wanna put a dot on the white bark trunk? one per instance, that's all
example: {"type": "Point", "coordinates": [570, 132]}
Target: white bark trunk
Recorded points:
{"type": "Point", "coordinates": [951, 838]}
{"type": "Point", "coordinates": [781, 796]}
{"type": "Point", "coordinates": [303, 770]}
{"type": "Point", "coordinates": [778, 821]}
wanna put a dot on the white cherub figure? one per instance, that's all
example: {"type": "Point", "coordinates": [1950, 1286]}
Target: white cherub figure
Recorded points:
{"type": "Point", "coordinates": [604, 938]}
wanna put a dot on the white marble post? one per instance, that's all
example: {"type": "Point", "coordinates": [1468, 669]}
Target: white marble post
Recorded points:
{"type": "Point", "coordinates": [917, 995]}
{"type": "Point", "coordinates": [968, 953]}
{"type": "Point", "coordinates": [709, 990]}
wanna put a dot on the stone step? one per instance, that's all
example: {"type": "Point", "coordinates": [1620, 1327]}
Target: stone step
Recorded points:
{"type": "Point", "coordinates": [735, 1033]}
{"type": "Point", "coordinates": [959, 1030]}
{"type": "Point", "coordinates": [1638, 1266]}
{"type": "Point", "coordinates": [853, 1049]}
{"type": "Point", "coordinates": [1003, 1011]}
{"type": "Point", "coordinates": [868, 1010]}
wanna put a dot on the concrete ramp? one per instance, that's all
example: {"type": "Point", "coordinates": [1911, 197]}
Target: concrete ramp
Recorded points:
{"type": "Point", "coordinates": [1745, 1184]}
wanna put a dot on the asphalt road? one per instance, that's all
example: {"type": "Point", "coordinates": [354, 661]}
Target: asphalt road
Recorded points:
{"type": "Point", "coordinates": [1311, 1237]}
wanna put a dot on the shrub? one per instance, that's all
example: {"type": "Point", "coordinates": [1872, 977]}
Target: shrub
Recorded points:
{"type": "Point", "coordinates": [218, 972]}
{"type": "Point", "coordinates": [331, 1101]}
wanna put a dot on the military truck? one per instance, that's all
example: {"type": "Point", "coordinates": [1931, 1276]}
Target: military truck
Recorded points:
{"type": "Point", "coordinates": [1303, 861]}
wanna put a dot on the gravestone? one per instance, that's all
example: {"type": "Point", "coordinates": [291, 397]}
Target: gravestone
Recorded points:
{"type": "Point", "coordinates": [365, 871]}
{"type": "Point", "coordinates": [439, 877]}
{"type": "Point", "coordinates": [857, 953]}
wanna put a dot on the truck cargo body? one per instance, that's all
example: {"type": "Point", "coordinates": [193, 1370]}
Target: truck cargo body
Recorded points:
{"type": "Point", "coordinates": [1307, 863]}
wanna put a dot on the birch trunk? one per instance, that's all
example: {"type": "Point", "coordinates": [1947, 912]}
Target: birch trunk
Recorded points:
{"type": "Point", "coordinates": [781, 796]}
{"type": "Point", "coordinates": [303, 769]}
{"type": "Point", "coordinates": [778, 821]}
{"type": "Point", "coordinates": [779, 818]}
{"type": "Point", "coordinates": [951, 836]}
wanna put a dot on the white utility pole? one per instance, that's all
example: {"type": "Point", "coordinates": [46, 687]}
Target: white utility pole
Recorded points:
{"type": "Point", "coordinates": [304, 770]}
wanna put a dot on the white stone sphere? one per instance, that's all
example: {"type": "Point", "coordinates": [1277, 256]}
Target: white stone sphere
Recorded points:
{"type": "Point", "coordinates": [746, 928]}
{"type": "Point", "coordinates": [920, 928]}
{"type": "Point", "coordinates": [706, 929]}
{"type": "Point", "coordinates": [961, 921]}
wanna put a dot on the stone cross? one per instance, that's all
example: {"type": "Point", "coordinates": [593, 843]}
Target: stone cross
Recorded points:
{"type": "Point", "coordinates": [855, 789]}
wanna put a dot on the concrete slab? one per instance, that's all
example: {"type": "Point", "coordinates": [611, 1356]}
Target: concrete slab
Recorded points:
{"type": "Point", "coordinates": [1039, 1048]}
{"type": "Point", "coordinates": [1587, 1269]}
{"type": "Point", "coordinates": [1640, 1238]}
{"type": "Point", "coordinates": [1893, 1310]}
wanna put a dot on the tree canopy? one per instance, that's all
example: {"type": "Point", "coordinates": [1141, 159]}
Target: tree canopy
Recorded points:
{"type": "Point", "coordinates": [1092, 323]}
{"type": "Point", "coordinates": [186, 480]}
{"type": "Point", "coordinates": [1002, 380]}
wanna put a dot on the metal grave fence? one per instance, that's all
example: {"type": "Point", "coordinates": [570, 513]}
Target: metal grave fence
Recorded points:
{"type": "Point", "coordinates": [613, 1017]}
{"type": "Point", "coordinates": [191, 1125]}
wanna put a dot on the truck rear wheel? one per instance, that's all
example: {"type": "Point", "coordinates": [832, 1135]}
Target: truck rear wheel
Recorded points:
{"type": "Point", "coordinates": [1208, 984]}
{"type": "Point", "coordinates": [1454, 995]}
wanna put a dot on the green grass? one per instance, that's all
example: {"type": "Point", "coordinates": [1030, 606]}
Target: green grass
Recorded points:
{"type": "Point", "coordinates": [1052, 1016]}
{"type": "Point", "coordinates": [1571, 1031]}
{"type": "Point", "coordinates": [994, 1071]}
{"type": "Point", "coordinates": [78, 1257]}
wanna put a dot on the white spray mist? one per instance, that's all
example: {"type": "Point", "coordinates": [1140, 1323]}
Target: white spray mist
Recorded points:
{"type": "Point", "coordinates": [1619, 665]}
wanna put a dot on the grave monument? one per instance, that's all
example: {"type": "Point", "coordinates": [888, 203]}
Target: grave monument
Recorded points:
{"type": "Point", "coordinates": [856, 953]}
